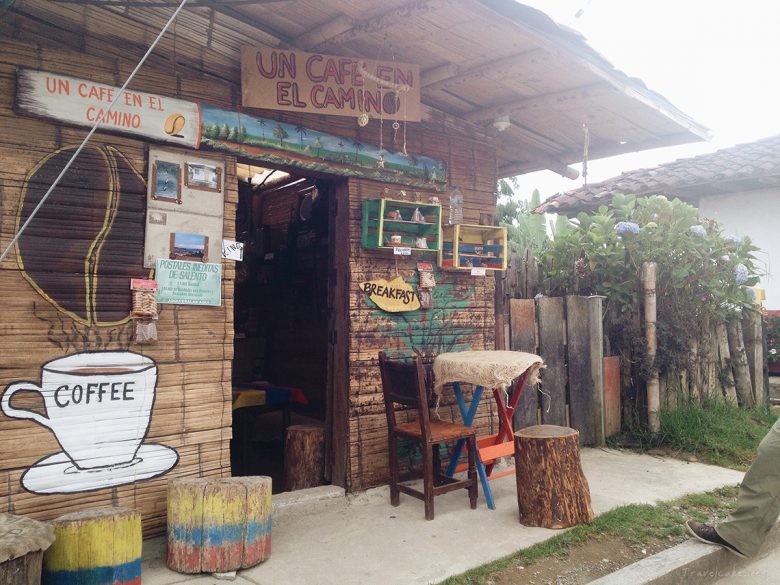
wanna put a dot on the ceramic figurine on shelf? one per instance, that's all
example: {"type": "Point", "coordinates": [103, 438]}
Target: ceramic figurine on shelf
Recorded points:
{"type": "Point", "coordinates": [417, 216]}
{"type": "Point", "coordinates": [394, 214]}
{"type": "Point", "coordinates": [421, 242]}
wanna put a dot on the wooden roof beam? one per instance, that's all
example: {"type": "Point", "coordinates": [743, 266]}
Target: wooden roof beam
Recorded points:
{"type": "Point", "coordinates": [484, 70]}
{"type": "Point", "coordinates": [547, 100]}
{"type": "Point", "coordinates": [518, 167]}
{"type": "Point", "coordinates": [334, 33]}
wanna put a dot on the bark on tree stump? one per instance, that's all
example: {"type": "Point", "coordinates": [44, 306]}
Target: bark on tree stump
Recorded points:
{"type": "Point", "coordinates": [304, 457]}
{"type": "Point", "coordinates": [552, 491]}
{"type": "Point", "coordinates": [99, 546]}
{"type": "Point", "coordinates": [218, 525]}
{"type": "Point", "coordinates": [22, 543]}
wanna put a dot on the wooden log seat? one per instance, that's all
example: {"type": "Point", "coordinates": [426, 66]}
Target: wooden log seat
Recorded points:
{"type": "Point", "coordinates": [218, 525]}
{"type": "Point", "coordinates": [22, 544]}
{"type": "Point", "coordinates": [99, 546]}
{"type": "Point", "coordinates": [552, 491]}
{"type": "Point", "coordinates": [304, 456]}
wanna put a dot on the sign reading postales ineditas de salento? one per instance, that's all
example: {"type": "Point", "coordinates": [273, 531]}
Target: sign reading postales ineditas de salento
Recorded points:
{"type": "Point", "coordinates": [281, 79]}
{"type": "Point", "coordinates": [180, 282]}
{"type": "Point", "coordinates": [83, 102]}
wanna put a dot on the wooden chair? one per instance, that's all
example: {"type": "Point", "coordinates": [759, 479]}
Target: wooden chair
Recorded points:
{"type": "Point", "coordinates": [405, 383]}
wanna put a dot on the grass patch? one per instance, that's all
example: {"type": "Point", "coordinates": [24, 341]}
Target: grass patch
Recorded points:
{"type": "Point", "coordinates": [714, 431]}
{"type": "Point", "coordinates": [717, 432]}
{"type": "Point", "coordinates": [636, 524]}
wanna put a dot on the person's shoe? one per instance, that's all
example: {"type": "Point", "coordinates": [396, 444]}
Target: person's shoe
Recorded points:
{"type": "Point", "coordinates": [707, 533]}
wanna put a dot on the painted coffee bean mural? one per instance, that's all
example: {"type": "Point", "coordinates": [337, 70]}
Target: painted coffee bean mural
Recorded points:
{"type": "Point", "coordinates": [87, 240]}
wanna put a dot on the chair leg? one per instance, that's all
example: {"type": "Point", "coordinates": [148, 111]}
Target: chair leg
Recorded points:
{"type": "Point", "coordinates": [427, 453]}
{"type": "Point", "coordinates": [392, 441]}
{"type": "Point", "coordinates": [437, 477]}
{"type": "Point", "coordinates": [472, 473]}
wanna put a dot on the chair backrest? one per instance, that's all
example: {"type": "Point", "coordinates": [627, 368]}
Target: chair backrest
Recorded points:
{"type": "Point", "coordinates": [404, 382]}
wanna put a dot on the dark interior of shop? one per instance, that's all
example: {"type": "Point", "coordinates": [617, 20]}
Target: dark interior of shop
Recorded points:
{"type": "Point", "coordinates": [280, 316]}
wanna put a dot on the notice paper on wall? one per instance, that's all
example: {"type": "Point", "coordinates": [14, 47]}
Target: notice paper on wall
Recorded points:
{"type": "Point", "coordinates": [188, 283]}
{"type": "Point", "coordinates": [232, 250]}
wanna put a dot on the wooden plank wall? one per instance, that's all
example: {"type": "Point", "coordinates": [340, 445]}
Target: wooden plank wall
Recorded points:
{"type": "Point", "coordinates": [192, 410]}
{"type": "Point", "coordinates": [569, 339]}
{"type": "Point", "coordinates": [462, 317]}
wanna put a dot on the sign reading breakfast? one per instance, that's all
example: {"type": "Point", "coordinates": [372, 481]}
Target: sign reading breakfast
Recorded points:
{"type": "Point", "coordinates": [83, 102]}
{"type": "Point", "coordinates": [393, 296]}
{"type": "Point", "coordinates": [280, 79]}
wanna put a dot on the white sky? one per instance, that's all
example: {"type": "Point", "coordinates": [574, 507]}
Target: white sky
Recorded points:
{"type": "Point", "coordinates": [718, 61]}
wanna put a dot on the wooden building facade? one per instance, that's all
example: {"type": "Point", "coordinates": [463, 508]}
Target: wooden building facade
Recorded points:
{"type": "Point", "coordinates": [92, 416]}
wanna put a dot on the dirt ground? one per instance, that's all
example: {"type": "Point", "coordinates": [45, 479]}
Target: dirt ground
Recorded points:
{"type": "Point", "coordinates": [582, 565]}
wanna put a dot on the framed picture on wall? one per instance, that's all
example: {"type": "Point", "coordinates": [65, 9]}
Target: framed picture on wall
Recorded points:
{"type": "Point", "coordinates": [166, 181]}
{"type": "Point", "coordinates": [190, 247]}
{"type": "Point", "coordinates": [203, 177]}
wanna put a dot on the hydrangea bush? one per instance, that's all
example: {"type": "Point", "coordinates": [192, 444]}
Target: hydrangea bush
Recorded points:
{"type": "Point", "coordinates": [701, 274]}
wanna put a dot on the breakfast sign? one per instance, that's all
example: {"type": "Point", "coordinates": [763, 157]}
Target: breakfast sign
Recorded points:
{"type": "Point", "coordinates": [295, 81]}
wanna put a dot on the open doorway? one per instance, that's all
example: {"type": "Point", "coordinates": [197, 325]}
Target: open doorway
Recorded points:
{"type": "Point", "coordinates": [281, 315]}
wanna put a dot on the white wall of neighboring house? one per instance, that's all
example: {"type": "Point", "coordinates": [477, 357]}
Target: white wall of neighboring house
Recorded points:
{"type": "Point", "coordinates": [755, 214]}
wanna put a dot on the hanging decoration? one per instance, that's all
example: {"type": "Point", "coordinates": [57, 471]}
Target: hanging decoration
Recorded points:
{"type": "Point", "coordinates": [144, 309]}
{"type": "Point", "coordinates": [427, 282]}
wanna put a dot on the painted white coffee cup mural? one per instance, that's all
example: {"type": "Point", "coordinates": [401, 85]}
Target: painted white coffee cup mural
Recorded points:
{"type": "Point", "coordinates": [98, 405]}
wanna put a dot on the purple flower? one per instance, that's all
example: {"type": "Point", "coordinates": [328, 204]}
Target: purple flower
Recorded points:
{"type": "Point", "coordinates": [626, 227]}
{"type": "Point", "coordinates": [698, 230]}
{"type": "Point", "coordinates": [740, 274]}
{"type": "Point", "coordinates": [732, 239]}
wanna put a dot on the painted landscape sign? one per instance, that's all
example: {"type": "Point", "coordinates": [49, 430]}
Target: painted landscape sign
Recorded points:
{"type": "Point", "coordinates": [295, 81]}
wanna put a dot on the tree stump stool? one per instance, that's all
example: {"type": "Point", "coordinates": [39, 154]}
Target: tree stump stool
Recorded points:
{"type": "Point", "coordinates": [218, 525]}
{"type": "Point", "coordinates": [304, 456]}
{"type": "Point", "coordinates": [99, 546]}
{"type": "Point", "coordinates": [552, 491]}
{"type": "Point", "coordinates": [22, 544]}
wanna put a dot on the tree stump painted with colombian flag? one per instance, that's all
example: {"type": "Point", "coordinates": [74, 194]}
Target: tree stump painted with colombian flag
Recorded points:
{"type": "Point", "coordinates": [99, 546]}
{"type": "Point", "coordinates": [552, 491]}
{"type": "Point", "coordinates": [218, 525]}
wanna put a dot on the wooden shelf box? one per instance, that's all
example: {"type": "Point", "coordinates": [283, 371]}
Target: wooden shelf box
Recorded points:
{"type": "Point", "coordinates": [473, 246]}
{"type": "Point", "coordinates": [385, 218]}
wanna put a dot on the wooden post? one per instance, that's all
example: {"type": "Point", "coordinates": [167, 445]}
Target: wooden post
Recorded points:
{"type": "Point", "coordinates": [99, 546]}
{"type": "Point", "coordinates": [22, 544]}
{"type": "Point", "coordinates": [552, 327]}
{"type": "Point", "coordinates": [596, 340]}
{"type": "Point", "coordinates": [739, 364]}
{"type": "Point", "coordinates": [522, 320]}
{"type": "Point", "coordinates": [653, 390]}
{"type": "Point", "coordinates": [552, 491]}
{"type": "Point", "coordinates": [726, 373]}
{"type": "Point", "coordinates": [304, 456]}
{"type": "Point", "coordinates": [753, 334]}
{"type": "Point", "coordinates": [218, 525]}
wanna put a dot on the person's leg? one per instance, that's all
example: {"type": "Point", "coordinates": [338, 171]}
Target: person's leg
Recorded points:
{"type": "Point", "coordinates": [758, 504]}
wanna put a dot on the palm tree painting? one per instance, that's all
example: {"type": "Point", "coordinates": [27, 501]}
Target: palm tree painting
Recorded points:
{"type": "Point", "coordinates": [281, 134]}
{"type": "Point", "coordinates": [317, 145]}
{"type": "Point", "coordinates": [301, 132]}
{"type": "Point", "coordinates": [358, 147]}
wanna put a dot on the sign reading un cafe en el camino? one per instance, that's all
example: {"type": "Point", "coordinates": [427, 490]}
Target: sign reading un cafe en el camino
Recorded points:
{"type": "Point", "coordinates": [328, 84]}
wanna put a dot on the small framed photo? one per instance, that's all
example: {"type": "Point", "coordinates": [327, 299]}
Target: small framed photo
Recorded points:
{"type": "Point", "coordinates": [166, 181]}
{"type": "Point", "coordinates": [203, 177]}
{"type": "Point", "coordinates": [190, 247]}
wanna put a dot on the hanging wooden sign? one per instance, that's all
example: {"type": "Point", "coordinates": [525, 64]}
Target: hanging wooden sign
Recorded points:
{"type": "Point", "coordinates": [394, 296]}
{"type": "Point", "coordinates": [281, 79]}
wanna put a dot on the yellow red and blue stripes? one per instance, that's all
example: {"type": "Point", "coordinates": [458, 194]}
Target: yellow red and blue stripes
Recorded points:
{"type": "Point", "coordinates": [216, 526]}
{"type": "Point", "coordinates": [95, 547]}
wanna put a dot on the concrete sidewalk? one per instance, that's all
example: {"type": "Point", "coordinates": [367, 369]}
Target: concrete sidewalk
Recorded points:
{"type": "Point", "coordinates": [321, 537]}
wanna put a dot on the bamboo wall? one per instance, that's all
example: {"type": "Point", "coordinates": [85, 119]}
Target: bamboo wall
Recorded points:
{"type": "Point", "coordinates": [192, 411]}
